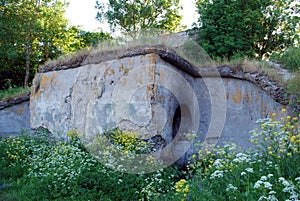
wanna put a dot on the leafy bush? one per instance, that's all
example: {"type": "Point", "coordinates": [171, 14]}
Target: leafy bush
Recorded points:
{"type": "Point", "coordinates": [290, 58]}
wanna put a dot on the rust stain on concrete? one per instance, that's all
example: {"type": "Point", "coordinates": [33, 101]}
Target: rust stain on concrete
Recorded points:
{"type": "Point", "coordinates": [248, 97]}
{"type": "Point", "coordinates": [226, 82]}
{"type": "Point", "coordinates": [227, 96]}
{"type": "Point", "coordinates": [20, 111]}
{"type": "Point", "coordinates": [264, 108]}
{"type": "Point", "coordinates": [238, 95]}
{"type": "Point", "coordinates": [43, 83]}
{"type": "Point", "coordinates": [121, 68]}
{"type": "Point", "coordinates": [112, 72]}
{"type": "Point", "coordinates": [152, 57]}
{"type": "Point", "coordinates": [130, 62]}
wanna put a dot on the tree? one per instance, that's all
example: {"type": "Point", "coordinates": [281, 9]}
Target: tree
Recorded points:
{"type": "Point", "coordinates": [32, 32]}
{"type": "Point", "coordinates": [130, 16]}
{"type": "Point", "coordinates": [229, 28]}
{"type": "Point", "coordinates": [27, 26]}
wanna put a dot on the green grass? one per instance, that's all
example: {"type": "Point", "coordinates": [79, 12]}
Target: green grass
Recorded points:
{"type": "Point", "coordinates": [12, 92]}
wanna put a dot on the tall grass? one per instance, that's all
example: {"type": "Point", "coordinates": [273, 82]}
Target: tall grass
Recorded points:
{"type": "Point", "coordinates": [12, 92]}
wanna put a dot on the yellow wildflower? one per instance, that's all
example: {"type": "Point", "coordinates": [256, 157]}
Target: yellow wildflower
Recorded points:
{"type": "Point", "coordinates": [293, 139]}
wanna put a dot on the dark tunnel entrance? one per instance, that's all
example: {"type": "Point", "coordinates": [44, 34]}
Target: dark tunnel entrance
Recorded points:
{"type": "Point", "coordinates": [176, 122]}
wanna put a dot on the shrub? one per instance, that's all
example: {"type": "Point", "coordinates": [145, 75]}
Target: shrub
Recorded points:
{"type": "Point", "coordinates": [290, 58]}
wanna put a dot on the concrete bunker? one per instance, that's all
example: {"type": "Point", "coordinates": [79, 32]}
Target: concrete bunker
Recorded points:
{"type": "Point", "coordinates": [153, 91]}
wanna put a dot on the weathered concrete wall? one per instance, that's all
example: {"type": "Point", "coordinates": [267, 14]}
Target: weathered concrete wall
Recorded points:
{"type": "Point", "coordinates": [84, 98]}
{"type": "Point", "coordinates": [246, 103]}
{"type": "Point", "coordinates": [14, 117]}
{"type": "Point", "coordinates": [151, 96]}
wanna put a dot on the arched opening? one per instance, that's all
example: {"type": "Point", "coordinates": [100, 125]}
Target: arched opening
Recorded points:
{"type": "Point", "coordinates": [176, 122]}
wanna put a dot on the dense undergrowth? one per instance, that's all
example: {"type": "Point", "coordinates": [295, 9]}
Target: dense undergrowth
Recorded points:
{"type": "Point", "coordinates": [39, 167]}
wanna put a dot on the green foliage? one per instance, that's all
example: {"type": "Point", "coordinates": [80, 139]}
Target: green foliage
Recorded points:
{"type": "Point", "coordinates": [289, 58]}
{"type": "Point", "coordinates": [234, 28]}
{"type": "Point", "coordinates": [42, 168]}
{"type": "Point", "coordinates": [39, 167]}
{"type": "Point", "coordinates": [12, 92]}
{"type": "Point", "coordinates": [28, 36]}
{"type": "Point", "coordinates": [77, 39]}
{"type": "Point", "coordinates": [32, 32]}
{"type": "Point", "coordinates": [127, 141]}
{"type": "Point", "coordinates": [270, 171]}
{"type": "Point", "coordinates": [293, 87]}
{"type": "Point", "coordinates": [132, 16]}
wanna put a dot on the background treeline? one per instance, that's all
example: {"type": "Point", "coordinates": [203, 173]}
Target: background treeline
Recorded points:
{"type": "Point", "coordinates": [34, 31]}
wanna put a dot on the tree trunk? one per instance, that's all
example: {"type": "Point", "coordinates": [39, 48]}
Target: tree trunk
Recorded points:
{"type": "Point", "coordinates": [28, 51]}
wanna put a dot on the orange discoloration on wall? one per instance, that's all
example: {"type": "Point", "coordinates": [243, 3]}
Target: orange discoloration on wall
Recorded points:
{"type": "Point", "coordinates": [257, 96]}
{"type": "Point", "coordinates": [149, 91]}
{"type": "Point", "coordinates": [112, 72]}
{"type": "Point", "coordinates": [106, 72]}
{"type": "Point", "coordinates": [238, 95]}
{"type": "Point", "coordinates": [43, 83]}
{"type": "Point", "coordinates": [121, 68]}
{"type": "Point", "coordinates": [247, 97]}
{"type": "Point", "coordinates": [227, 96]}
{"type": "Point", "coordinates": [130, 62]}
{"type": "Point", "coordinates": [226, 82]}
{"type": "Point", "coordinates": [152, 57]}
{"type": "Point", "coordinates": [20, 111]}
{"type": "Point", "coordinates": [264, 108]}
{"type": "Point", "coordinates": [265, 111]}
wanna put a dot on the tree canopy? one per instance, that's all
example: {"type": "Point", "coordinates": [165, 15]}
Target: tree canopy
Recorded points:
{"type": "Point", "coordinates": [130, 16]}
{"type": "Point", "coordinates": [229, 28]}
{"type": "Point", "coordinates": [32, 32]}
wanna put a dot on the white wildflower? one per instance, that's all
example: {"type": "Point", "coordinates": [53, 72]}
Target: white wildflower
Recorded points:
{"type": "Point", "coordinates": [241, 157]}
{"type": "Point", "coordinates": [218, 163]}
{"type": "Point", "coordinates": [217, 174]}
{"type": "Point", "coordinates": [270, 175]}
{"type": "Point", "coordinates": [231, 187]}
{"type": "Point", "coordinates": [243, 173]}
{"type": "Point", "coordinates": [294, 196]}
{"type": "Point", "coordinates": [269, 198]}
{"type": "Point", "coordinates": [249, 170]}
{"type": "Point", "coordinates": [263, 178]}
{"type": "Point", "coordinates": [268, 185]}
{"type": "Point", "coordinates": [281, 179]}
{"type": "Point", "coordinates": [257, 184]}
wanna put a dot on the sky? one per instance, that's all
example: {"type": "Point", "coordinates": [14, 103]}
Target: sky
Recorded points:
{"type": "Point", "coordinates": [82, 13]}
